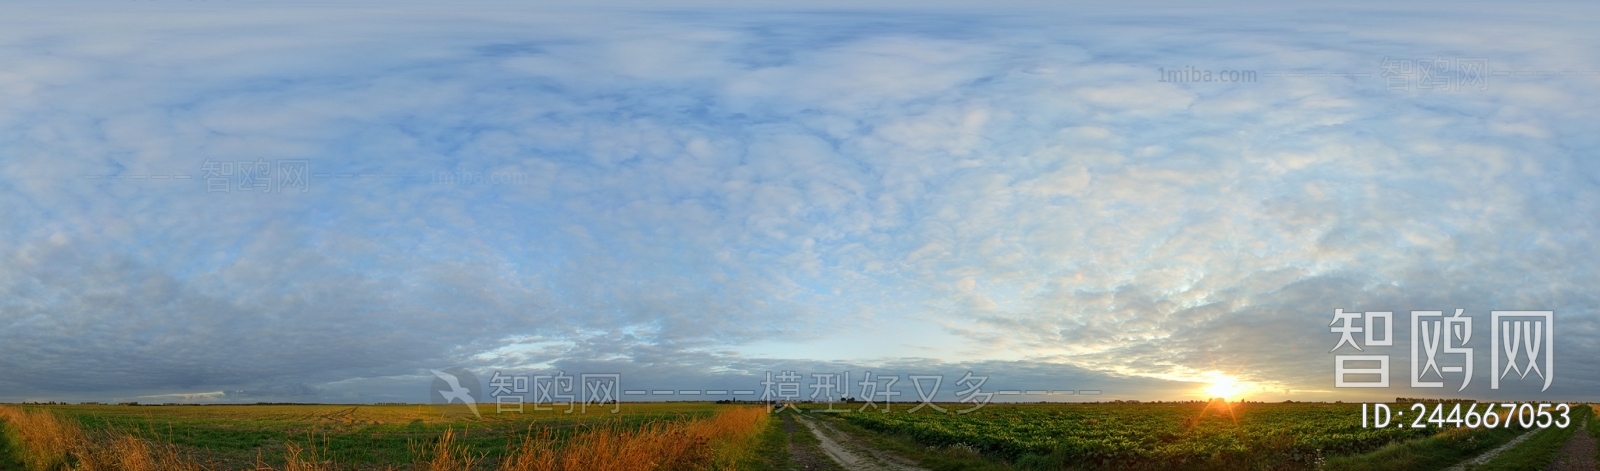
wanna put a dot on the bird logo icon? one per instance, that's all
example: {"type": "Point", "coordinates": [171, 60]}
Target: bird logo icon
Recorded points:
{"type": "Point", "coordinates": [456, 384]}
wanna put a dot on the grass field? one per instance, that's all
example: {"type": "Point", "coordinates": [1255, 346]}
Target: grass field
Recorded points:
{"type": "Point", "coordinates": [296, 437]}
{"type": "Point", "coordinates": [647, 436]}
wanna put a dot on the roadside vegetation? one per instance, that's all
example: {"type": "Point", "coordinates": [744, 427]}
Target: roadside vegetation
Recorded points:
{"type": "Point", "coordinates": [40, 440]}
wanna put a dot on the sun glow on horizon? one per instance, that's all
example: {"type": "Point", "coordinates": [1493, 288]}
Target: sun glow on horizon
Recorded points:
{"type": "Point", "coordinates": [1222, 386]}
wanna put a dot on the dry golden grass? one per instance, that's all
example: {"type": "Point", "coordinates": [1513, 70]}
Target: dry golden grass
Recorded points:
{"type": "Point", "coordinates": [451, 456]}
{"type": "Point", "coordinates": [44, 441]}
{"type": "Point", "coordinates": [298, 458]}
{"type": "Point", "coordinates": [711, 443]}
{"type": "Point", "coordinates": [49, 443]}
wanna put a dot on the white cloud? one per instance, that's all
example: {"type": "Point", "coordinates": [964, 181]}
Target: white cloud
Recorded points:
{"type": "Point", "coordinates": [660, 188]}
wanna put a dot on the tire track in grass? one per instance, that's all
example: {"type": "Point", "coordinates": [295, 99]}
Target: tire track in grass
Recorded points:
{"type": "Point", "coordinates": [1577, 454]}
{"type": "Point", "coordinates": [805, 454]}
{"type": "Point", "coordinates": [851, 453]}
{"type": "Point", "coordinates": [1552, 448]}
{"type": "Point", "coordinates": [1484, 458]}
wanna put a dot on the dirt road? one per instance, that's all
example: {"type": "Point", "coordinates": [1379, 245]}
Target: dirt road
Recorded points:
{"type": "Point", "coordinates": [850, 452]}
{"type": "Point", "coordinates": [1578, 453]}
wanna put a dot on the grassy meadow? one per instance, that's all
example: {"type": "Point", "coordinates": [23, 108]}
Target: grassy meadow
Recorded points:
{"type": "Point", "coordinates": [317, 437]}
{"type": "Point", "coordinates": [705, 436]}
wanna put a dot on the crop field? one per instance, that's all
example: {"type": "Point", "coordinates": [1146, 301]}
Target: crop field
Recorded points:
{"type": "Point", "coordinates": [1175, 433]}
{"type": "Point", "coordinates": [296, 437]}
{"type": "Point", "coordinates": [670, 436]}
{"type": "Point", "coordinates": [350, 434]}
{"type": "Point", "coordinates": [1182, 436]}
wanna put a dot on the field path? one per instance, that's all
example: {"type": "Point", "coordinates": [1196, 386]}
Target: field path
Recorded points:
{"type": "Point", "coordinates": [851, 453]}
{"type": "Point", "coordinates": [1484, 458]}
{"type": "Point", "coordinates": [802, 454]}
{"type": "Point", "coordinates": [1578, 453]}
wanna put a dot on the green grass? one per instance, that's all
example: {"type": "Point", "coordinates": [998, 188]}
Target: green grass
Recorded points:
{"type": "Point", "coordinates": [1447, 449]}
{"type": "Point", "coordinates": [1594, 426]}
{"type": "Point", "coordinates": [1436, 452]}
{"type": "Point", "coordinates": [771, 451]}
{"type": "Point", "coordinates": [1538, 450]}
{"type": "Point", "coordinates": [1534, 453]}
{"type": "Point", "coordinates": [10, 454]}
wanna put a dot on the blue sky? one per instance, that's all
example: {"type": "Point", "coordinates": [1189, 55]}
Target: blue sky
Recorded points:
{"type": "Point", "coordinates": [693, 195]}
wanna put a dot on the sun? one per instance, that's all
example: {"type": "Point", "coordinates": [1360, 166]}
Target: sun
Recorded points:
{"type": "Point", "coordinates": [1223, 386]}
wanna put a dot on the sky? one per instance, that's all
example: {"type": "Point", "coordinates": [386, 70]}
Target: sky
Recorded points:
{"type": "Point", "coordinates": [229, 201]}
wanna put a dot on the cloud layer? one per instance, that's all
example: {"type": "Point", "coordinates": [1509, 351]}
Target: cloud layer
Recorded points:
{"type": "Point", "coordinates": [715, 193]}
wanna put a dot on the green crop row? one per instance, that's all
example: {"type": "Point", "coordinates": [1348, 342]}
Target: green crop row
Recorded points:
{"type": "Point", "coordinates": [1291, 435]}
